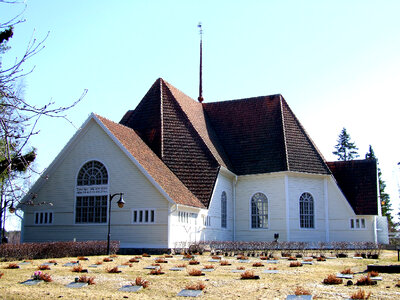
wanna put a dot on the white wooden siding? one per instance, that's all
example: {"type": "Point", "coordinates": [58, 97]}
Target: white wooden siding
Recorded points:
{"type": "Point", "coordinates": [93, 144]}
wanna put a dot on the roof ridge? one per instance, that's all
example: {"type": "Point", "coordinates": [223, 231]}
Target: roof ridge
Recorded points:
{"type": "Point", "coordinates": [284, 134]}
{"type": "Point", "coordinates": [217, 147]}
{"type": "Point", "coordinates": [246, 99]}
{"type": "Point", "coordinates": [323, 160]}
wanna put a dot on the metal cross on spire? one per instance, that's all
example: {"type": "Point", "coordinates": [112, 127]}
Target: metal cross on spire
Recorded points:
{"type": "Point", "coordinates": [201, 64]}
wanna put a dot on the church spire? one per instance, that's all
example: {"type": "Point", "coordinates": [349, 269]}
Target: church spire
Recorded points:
{"type": "Point", "coordinates": [201, 65]}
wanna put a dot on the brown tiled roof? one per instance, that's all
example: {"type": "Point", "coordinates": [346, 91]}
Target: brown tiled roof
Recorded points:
{"type": "Point", "coordinates": [247, 136]}
{"type": "Point", "coordinates": [168, 181]}
{"type": "Point", "coordinates": [180, 136]}
{"type": "Point", "coordinates": [262, 135]}
{"type": "Point", "coordinates": [358, 181]}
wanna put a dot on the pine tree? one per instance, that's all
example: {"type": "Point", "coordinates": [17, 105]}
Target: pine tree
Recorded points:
{"type": "Point", "coordinates": [345, 149]}
{"type": "Point", "coordinates": [384, 197]}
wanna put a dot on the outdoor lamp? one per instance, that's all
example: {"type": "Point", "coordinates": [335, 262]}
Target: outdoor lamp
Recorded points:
{"type": "Point", "coordinates": [11, 209]}
{"type": "Point", "coordinates": [120, 204]}
{"type": "Point", "coordinates": [121, 201]}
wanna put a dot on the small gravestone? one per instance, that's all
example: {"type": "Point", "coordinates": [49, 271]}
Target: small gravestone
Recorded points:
{"type": "Point", "coordinates": [307, 262]}
{"type": "Point", "coordinates": [238, 271]}
{"type": "Point", "coordinates": [357, 257]}
{"type": "Point", "coordinates": [244, 260]}
{"type": "Point", "coordinates": [189, 293]}
{"type": "Point", "coordinates": [376, 278]}
{"type": "Point", "coordinates": [123, 266]}
{"type": "Point", "coordinates": [299, 297]}
{"type": "Point", "coordinates": [207, 270]}
{"type": "Point", "coordinates": [48, 264]}
{"type": "Point", "coordinates": [344, 276]}
{"type": "Point", "coordinates": [76, 285]}
{"type": "Point", "coordinates": [31, 282]}
{"type": "Point", "coordinates": [94, 266]}
{"type": "Point", "coordinates": [270, 271]}
{"type": "Point", "coordinates": [24, 263]}
{"type": "Point", "coordinates": [272, 261]}
{"type": "Point", "coordinates": [214, 260]}
{"type": "Point", "coordinates": [177, 269]}
{"type": "Point", "coordinates": [331, 257]}
{"type": "Point", "coordinates": [151, 267]}
{"type": "Point", "coordinates": [130, 288]}
{"type": "Point", "coordinates": [307, 258]}
{"type": "Point", "coordinates": [70, 264]}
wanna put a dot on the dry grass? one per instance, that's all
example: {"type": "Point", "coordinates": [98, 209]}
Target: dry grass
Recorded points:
{"type": "Point", "coordinates": [366, 280]}
{"type": "Point", "coordinates": [301, 291]}
{"type": "Point", "coordinates": [208, 267]}
{"type": "Point", "coordinates": [113, 270]}
{"type": "Point", "coordinates": [12, 266]}
{"type": "Point", "coordinates": [195, 272]}
{"type": "Point", "coordinates": [360, 294]}
{"type": "Point", "coordinates": [258, 264]}
{"type": "Point", "coordinates": [222, 284]}
{"type": "Point", "coordinates": [373, 274]}
{"type": "Point", "coordinates": [86, 279]}
{"type": "Point", "coordinates": [196, 286]}
{"type": "Point", "coordinates": [224, 263]}
{"type": "Point", "coordinates": [332, 279]}
{"type": "Point", "coordinates": [347, 271]}
{"type": "Point", "coordinates": [248, 275]}
{"type": "Point", "coordinates": [295, 264]}
{"type": "Point", "coordinates": [141, 282]}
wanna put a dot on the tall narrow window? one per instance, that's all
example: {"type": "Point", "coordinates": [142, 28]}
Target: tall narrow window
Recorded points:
{"type": "Point", "coordinates": [306, 211]}
{"type": "Point", "coordinates": [91, 193]}
{"type": "Point", "coordinates": [223, 210]}
{"type": "Point", "coordinates": [259, 211]}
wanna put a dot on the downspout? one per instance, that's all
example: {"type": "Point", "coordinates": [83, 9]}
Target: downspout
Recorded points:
{"type": "Point", "coordinates": [234, 207]}
{"type": "Point", "coordinates": [326, 202]}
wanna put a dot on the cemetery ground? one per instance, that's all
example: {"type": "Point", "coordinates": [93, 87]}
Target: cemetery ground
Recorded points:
{"type": "Point", "coordinates": [222, 283]}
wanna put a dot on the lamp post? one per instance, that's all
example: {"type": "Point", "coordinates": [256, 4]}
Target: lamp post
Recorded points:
{"type": "Point", "coordinates": [120, 203]}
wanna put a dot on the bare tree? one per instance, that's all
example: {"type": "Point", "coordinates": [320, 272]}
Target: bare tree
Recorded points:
{"type": "Point", "coordinates": [18, 120]}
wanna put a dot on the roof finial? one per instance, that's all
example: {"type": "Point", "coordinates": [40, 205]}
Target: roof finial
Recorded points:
{"type": "Point", "coordinates": [201, 64]}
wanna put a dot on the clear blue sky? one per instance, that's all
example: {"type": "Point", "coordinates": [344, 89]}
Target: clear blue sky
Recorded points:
{"type": "Point", "coordinates": [337, 63]}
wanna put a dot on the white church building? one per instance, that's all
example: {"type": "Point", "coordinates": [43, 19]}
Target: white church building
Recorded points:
{"type": "Point", "coordinates": [239, 170]}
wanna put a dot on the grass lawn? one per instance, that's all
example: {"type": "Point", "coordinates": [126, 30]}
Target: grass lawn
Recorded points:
{"type": "Point", "coordinates": [220, 283]}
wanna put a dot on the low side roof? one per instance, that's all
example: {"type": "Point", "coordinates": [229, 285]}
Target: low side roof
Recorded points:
{"type": "Point", "coordinates": [128, 138]}
{"type": "Point", "coordinates": [358, 181]}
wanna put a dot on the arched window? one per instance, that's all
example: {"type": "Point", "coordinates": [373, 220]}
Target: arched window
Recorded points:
{"type": "Point", "coordinates": [91, 193]}
{"type": "Point", "coordinates": [223, 210]}
{"type": "Point", "coordinates": [306, 211]}
{"type": "Point", "coordinates": [259, 211]}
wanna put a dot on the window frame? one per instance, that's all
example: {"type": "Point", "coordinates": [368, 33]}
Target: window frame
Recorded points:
{"type": "Point", "coordinates": [38, 213]}
{"type": "Point", "coordinates": [224, 211]}
{"type": "Point", "coordinates": [362, 224]}
{"type": "Point", "coordinates": [141, 216]}
{"type": "Point", "coordinates": [307, 215]}
{"type": "Point", "coordinates": [92, 191]}
{"type": "Point", "coordinates": [251, 212]}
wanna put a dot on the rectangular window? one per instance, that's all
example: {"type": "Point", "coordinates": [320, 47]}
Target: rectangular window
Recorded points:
{"type": "Point", "coordinates": [357, 223]}
{"type": "Point", "coordinates": [42, 218]}
{"type": "Point", "coordinates": [143, 216]}
{"type": "Point", "coordinates": [207, 221]}
{"type": "Point", "coordinates": [91, 209]}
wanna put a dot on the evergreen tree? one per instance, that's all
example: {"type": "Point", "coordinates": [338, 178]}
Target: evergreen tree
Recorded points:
{"type": "Point", "coordinates": [345, 149]}
{"type": "Point", "coordinates": [384, 197]}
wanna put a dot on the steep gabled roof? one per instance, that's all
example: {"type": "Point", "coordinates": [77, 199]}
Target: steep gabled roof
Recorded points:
{"type": "Point", "coordinates": [247, 136]}
{"type": "Point", "coordinates": [162, 175]}
{"type": "Point", "coordinates": [176, 129]}
{"type": "Point", "coordinates": [358, 181]}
